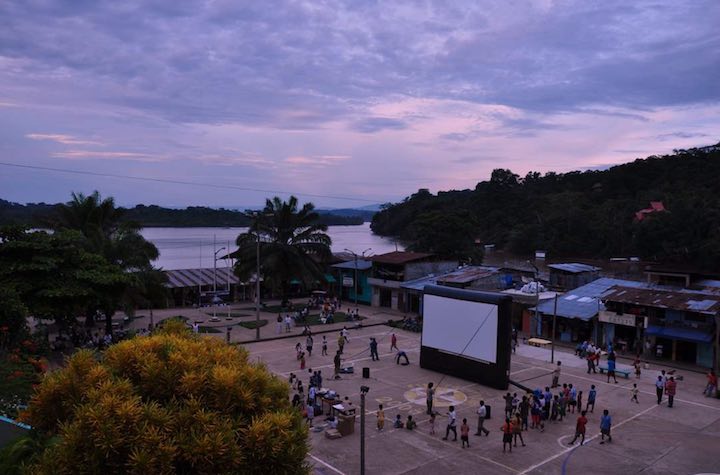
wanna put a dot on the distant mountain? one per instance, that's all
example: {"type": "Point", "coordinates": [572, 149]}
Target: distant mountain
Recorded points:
{"type": "Point", "coordinates": [40, 214]}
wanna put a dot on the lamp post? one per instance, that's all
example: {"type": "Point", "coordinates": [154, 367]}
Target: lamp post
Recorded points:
{"type": "Point", "coordinates": [537, 298]}
{"type": "Point", "coordinates": [355, 279]}
{"type": "Point", "coordinates": [257, 215]}
{"type": "Point", "coordinates": [215, 277]}
{"type": "Point", "coordinates": [363, 391]}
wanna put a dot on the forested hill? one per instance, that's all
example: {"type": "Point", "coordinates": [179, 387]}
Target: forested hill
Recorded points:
{"type": "Point", "coordinates": [577, 214]}
{"type": "Point", "coordinates": [37, 214]}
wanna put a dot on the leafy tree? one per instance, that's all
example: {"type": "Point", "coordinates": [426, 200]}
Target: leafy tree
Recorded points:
{"type": "Point", "coordinates": [54, 275]}
{"type": "Point", "coordinates": [167, 403]}
{"type": "Point", "coordinates": [450, 235]}
{"type": "Point", "coordinates": [118, 241]}
{"type": "Point", "coordinates": [293, 245]}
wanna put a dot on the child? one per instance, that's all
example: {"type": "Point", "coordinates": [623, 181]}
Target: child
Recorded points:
{"type": "Point", "coordinates": [432, 423]}
{"type": "Point", "coordinates": [580, 428]}
{"type": "Point", "coordinates": [635, 392]}
{"type": "Point", "coordinates": [380, 418]}
{"type": "Point", "coordinates": [516, 424]}
{"type": "Point", "coordinates": [302, 360]}
{"type": "Point", "coordinates": [310, 411]}
{"type": "Point", "coordinates": [637, 365]}
{"type": "Point", "coordinates": [324, 346]}
{"type": "Point", "coordinates": [398, 422]}
{"type": "Point", "coordinates": [410, 424]}
{"type": "Point", "coordinates": [464, 433]}
{"type": "Point", "coordinates": [507, 434]}
{"type": "Point", "coordinates": [591, 399]}
{"type": "Point", "coordinates": [605, 425]}
{"type": "Point", "coordinates": [573, 398]}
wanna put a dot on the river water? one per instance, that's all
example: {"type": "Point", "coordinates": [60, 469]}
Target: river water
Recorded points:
{"type": "Point", "coordinates": [192, 248]}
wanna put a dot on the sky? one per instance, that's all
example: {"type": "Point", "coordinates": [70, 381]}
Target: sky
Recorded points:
{"type": "Point", "coordinates": [343, 103]}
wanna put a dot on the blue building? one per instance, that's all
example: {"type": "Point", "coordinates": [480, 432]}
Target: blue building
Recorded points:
{"type": "Point", "coordinates": [347, 272]}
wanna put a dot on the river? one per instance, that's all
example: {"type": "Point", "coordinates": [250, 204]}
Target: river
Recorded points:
{"type": "Point", "coordinates": [192, 248]}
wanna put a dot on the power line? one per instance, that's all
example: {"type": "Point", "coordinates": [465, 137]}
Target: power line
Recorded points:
{"type": "Point", "coordinates": [182, 182]}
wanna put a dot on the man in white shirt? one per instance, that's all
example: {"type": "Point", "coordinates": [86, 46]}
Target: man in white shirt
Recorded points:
{"type": "Point", "coordinates": [660, 387]}
{"type": "Point", "coordinates": [482, 414]}
{"type": "Point", "coordinates": [452, 421]}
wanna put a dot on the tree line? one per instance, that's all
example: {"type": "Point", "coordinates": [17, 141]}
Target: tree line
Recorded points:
{"type": "Point", "coordinates": [576, 214]}
{"type": "Point", "coordinates": [41, 215]}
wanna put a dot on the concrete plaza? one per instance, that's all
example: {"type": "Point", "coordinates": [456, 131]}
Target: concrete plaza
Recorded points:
{"type": "Point", "coordinates": [647, 438]}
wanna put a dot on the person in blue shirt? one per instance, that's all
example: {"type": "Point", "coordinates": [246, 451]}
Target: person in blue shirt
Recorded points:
{"type": "Point", "coordinates": [591, 399]}
{"type": "Point", "coordinates": [605, 425]}
{"type": "Point", "coordinates": [611, 370]}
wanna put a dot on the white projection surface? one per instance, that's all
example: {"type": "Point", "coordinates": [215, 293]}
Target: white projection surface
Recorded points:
{"type": "Point", "coordinates": [449, 324]}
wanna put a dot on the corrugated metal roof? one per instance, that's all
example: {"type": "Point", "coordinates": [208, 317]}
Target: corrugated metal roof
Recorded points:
{"type": "Point", "coordinates": [582, 302]}
{"type": "Point", "coordinates": [574, 267]}
{"type": "Point", "coordinates": [468, 274]}
{"type": "Point", "coordinates": [420, 283]}
{"type": "Point", "coordinates": [361, 265]}
{"type": "Point", "coordinates": [689, 301]}
{"type": "Point", "coordinates": [196, 277]}
{"type": "Point", "coordinates": [399, 257]}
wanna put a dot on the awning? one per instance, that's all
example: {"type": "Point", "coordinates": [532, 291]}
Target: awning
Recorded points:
{"type": "Point", "coordinates": [676, 333]}
{"type": "Point", "coordinates": [330, 279]}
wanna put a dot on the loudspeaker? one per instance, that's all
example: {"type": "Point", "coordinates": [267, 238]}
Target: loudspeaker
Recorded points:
{"type": "Point", "coordinates": [366, 373]}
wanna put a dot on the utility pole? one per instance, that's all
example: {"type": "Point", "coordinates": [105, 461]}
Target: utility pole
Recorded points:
{"type": "Point", "coordinates": [552, 347]}
{"type": "Point", "coordinates": [534, 330]}
{"type": "Point", "coordinates": [214, 304]}
{"type": "Point", "coordinates": [257, 288]}
{"type": "Point", "coordinates": [363, 391]}
{"type": "Point", "coordinates": [355, 279]}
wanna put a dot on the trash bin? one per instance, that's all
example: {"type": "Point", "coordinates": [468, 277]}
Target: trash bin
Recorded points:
{"type": "Point", "coordinates": [366, 373]}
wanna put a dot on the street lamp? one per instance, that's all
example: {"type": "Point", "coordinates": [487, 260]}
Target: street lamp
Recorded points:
{"type": "Point", "coordinates": [537, 298]}
{"type": "Point", "coordinates": [257, 215]}
{"type": "Point", "coordinates": [363, 391]}
{"type": "Point", "coordinates": [215, 278]}
{"type": "Point", "coordinates": [355, 279]}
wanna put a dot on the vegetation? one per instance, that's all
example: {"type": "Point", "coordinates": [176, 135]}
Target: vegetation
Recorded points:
{"type": "Point", "coordinates": [168, 403]}
{"type": "Point", "coordinates": [576, 214]}
{"type": "Point", "coordinates": [38, 214]}
{"type": "Point", "coordinates": [252, 324]}
{"type": "Point", "coordinates": [293, 245]}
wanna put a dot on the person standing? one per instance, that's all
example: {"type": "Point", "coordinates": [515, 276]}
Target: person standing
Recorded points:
{"type": "Point", "coordinates": [659, 388]}
{"type": "Point", "coordinates": [611, 369]}
{"type": "Point", "coordinates": [324, 346]}
{"type": "Point", "coordinates": [341, 343]}
{"type": "Point", "coordinates": [309, 345]}
{"type": "Point", "coordinates": [302, 360]}
{"type": "Point", "coordinates": [279, 324]}
{"type": "Point", "coordinates": [516, 424]}
{"type": "Point", "coordinates": [524, 409]}
{"type": "Point", "coordinates": [482, 415]}
{"type": "Point", "coordinates": [591, 362]}
{"type": "Point", "coordinates": [380, 418]}
{"type": "Point", "coordinates": [591, 398]}
{"type": "Point", "coordinates": [287, 323]}
{"type": "Point", "coordinates": [556, 375]}
{"type": "Point", "coordinates": [637, 365]}
{"type": "Point", "coordinates": [670, 387]}
{"type": "Point", "coordinates": [336, 362]}
{"type": "Point", "coordinates": [374, 350]}
{"type": "Point", "coordinates": [430, 394]}
{"type": "Point", "coordinates": [605, 426]}
{"type": "Point", "coordinates": [508, 404]}
{"type": "Point", "coordinates": [393, 343]}
{"type": "Point", "coordinates": [580, 428]}
{"type": "Point", "coordinates": [452, 424]}
{"type": "Point", "coordinates": [507, 434]}
{"type": "Point", "coordinates": [464, 434]}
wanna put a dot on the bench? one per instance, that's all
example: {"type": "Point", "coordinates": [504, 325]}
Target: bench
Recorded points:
{"type": "Point", "coordinates": [538, 342]}
{"type": "Point", "coordinates": [624, 372]}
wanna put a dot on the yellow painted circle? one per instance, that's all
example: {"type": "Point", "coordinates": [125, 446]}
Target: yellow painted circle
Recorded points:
{"type": "Point", "coordinates": [444, 397]}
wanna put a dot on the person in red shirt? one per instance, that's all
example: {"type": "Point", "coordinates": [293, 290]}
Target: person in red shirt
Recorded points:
{"type": "Point", "coordinates": [670, 388]}
{"type": "Point", "coordinates": [507, 434]}
{"type": "Point", "coordinates": [711, 387]}
{"type": "Point", "coordinates": [580, 428]}
{"type": "Point", "coordinates": [393, 342]}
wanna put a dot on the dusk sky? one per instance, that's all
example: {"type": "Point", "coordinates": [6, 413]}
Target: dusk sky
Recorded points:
{"type": "Point", "coordinates": [364, 100]}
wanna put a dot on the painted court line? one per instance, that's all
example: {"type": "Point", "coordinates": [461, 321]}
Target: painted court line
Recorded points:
{"type": "Point", "coordinates": [568, 449]}
{"type": "Point", "coordinates": [327, 465]}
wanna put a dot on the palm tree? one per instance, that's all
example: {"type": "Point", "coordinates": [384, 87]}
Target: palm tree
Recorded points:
{"type": "Point", "coordinates": [293, 245]}
{"type": "Point", "coordinates": [118, 241]}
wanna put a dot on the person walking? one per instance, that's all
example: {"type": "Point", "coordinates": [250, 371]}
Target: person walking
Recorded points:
{"type": "Point", "coordinates": [591, 362]}
{"type": "Point", "coordinates": [634, 392]}
{"type": "Point", "coordinates": [507, 434]}
{"type": "Point", "coordinates": [336, 362]}
{"type": "Point", "coordinates": [580, 428]}
{"type": "Point", "coordinates": [287, 323]}
{"type": "Point", "coordinates": [341, 343]}
{"type": "Point", "coordinates": [711, 387]}
{"type": "Point", "coordinates": [451, 426]}
{"type": "Point", "coordinates": [670, 388]}
{"type": "Point", "coordinates": [605, 426]}
{"type": "Point", "coordinates": [374, 350]}
{"type": "Point", "coordinates": [279, 324]}
{"type": "Point", "coordinates": [611, 369]}
{"type": "Point", "coordinates": [659, 388]}
{"type": "Point", "coordinates": [592, 394]}
{"type": "Point", "coordinates": [637, 365]}
{"type": "Point", "coordinates": [324, 346]}
{"type": "Point", "coordinates": [302, 360]}
{"type": "Point", "coordinates": [393, 343]}
{"type": "Point", "coordinates": [482, 415]}
{"type": "Point", "coordinates": [556, 375]}
{"type": "Point", "coordinates": [430, 394]}
{"type": "Point", "coordinates": [380, 418]}
{"type": "Point", "coordinates": [464, 434]}
{"type": "Point", "coordinates": [516, 423]}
